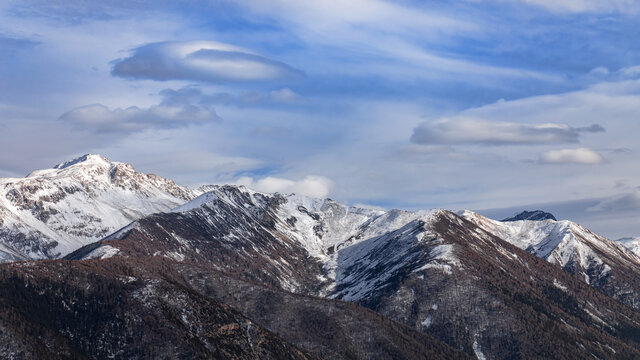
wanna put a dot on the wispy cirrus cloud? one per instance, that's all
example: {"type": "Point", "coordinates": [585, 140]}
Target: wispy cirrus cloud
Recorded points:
{"type": "Point", "coordinates": [475, 131]}
{"type": "Point", "coordinates": [202, 61]}
{"type": "Point", "coordinates": [586, 6]}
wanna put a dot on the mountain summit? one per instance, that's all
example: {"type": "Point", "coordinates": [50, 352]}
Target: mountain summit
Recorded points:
{"type": "Point", "coordinates": [536, 215]}
{"type": "Point", "coordinates": [52, 212]}
{"type": "Point", "coordinates": [86, 159]}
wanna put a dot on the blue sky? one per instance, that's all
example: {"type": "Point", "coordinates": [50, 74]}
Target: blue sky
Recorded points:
{"type": "Point", "coordinates": [499, 105]}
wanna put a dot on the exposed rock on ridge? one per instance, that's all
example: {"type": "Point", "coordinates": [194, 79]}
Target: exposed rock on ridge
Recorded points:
{"type": "Point", "coordinates": [536, 215]}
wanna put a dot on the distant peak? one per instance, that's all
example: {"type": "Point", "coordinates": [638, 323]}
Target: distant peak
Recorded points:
{"type": "Point", "coordinates": [536, 215]}
{"type": "Point", "coordinates": [87, 158]}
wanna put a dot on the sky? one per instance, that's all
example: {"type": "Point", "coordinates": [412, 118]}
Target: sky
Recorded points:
{"type": "Point", "coordinates": [496, 105]}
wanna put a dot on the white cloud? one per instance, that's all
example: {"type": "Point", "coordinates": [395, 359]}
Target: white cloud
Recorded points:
{"type": "Point", "coordinates": [207, 61]}
{"type": "Point", "coordinates": [100, 119]}
{"type": "Point", "coordinates": [313, 186]}
{"type": "Point", "coordinates": [475, 131]}
{"type": "Point", "coordinates": [571, 156]}
{"type": "Point", "coordinates": [369, 206]}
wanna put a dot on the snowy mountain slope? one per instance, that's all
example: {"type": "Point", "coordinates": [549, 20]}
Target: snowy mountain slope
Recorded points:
{"type": "Point", "coordinates": [599, 261]}
{"type": "Point", "coordinates": [431, 270]}
{"type": "Point", "coordinates": [499, 301]}
{"type": "Point", "coordinates": [631, 243]}
{"type": "Point", "coordinates": [52, 212]}
{"type": "Point", "coordinates": [301, 243]}
{"type": "Point", "coordinates": [232, 229]}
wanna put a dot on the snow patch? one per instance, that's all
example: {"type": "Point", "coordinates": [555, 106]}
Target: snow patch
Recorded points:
{"type": "Point", "coordinates": [103, 252]}
{"type": "Point", "coordinates": [427, 322]}
{"type": "Point", "coordinates": [442, 258]}
{"type": "Point", "coordinates": [559, 285]}
{"type": "Point", "coordinates": [478, 351]}
{"type": "Point", "coordinates": [175, 255]}
{"type": "Point", "coordinates": [197, 202]}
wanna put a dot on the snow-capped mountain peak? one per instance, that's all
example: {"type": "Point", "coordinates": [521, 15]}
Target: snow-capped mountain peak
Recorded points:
{"type": "Point", "coordinates": [84, 160]}
{"type": "Point", "coordinates": [65, 168]}
{"type": "Point", "coordinates": [560, 242]}
{"type": "Point", "coordinates": [52, 212]}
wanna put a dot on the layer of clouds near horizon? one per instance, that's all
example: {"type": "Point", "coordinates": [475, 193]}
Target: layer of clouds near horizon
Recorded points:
{"type": "Point", "coordinates": [202, 61]}
{"type": "Point", "coordinates": [475, 131]}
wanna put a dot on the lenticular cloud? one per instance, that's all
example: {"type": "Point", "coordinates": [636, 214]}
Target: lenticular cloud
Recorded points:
{"type": "Point", "coordinates": [473, 131]}
{"type": "Point", "coordinates": [206, 61]}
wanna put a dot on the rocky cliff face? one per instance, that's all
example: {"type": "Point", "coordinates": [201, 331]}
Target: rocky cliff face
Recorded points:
{"type": "Point", "coordinates": [52, 212]}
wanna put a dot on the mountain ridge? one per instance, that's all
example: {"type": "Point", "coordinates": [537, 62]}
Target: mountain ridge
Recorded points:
{"type": "Point", "coordinates": [485, 288]}
{"type": "Point", "coordinates": [599, 261]}
{"type": "Point", "coordinates": [399, 263]}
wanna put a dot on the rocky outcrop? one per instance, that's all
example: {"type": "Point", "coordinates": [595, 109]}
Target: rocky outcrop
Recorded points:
{"type": "Point", "coordinates": [536, 215]}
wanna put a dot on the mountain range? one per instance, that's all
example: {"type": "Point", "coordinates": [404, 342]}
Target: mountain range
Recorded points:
{"type": "Point", "coordinates": [104, 261]}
